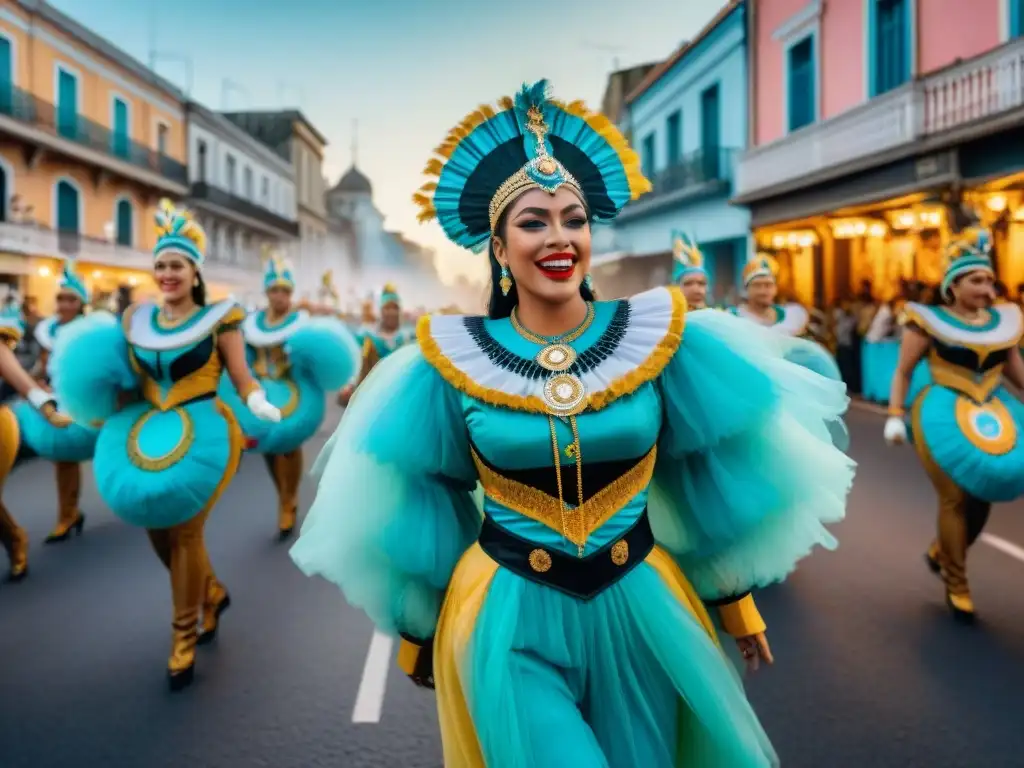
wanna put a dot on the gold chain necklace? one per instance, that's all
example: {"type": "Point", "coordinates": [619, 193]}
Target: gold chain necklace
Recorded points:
{"type": "Point", "coordinates": [574, 446]}
{"type": "Point", "coordinates": [166, 321]}
{"type": "Point", "coordinates": [565, 338]}
{"type": "Point", "coordinates": [564, 394]}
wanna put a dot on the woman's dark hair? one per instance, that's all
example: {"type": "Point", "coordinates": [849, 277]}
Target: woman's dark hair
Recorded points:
{"type": "Point", "coordinates": [499, 306]}
{"type": "Point", "coordinates": [199, 290]}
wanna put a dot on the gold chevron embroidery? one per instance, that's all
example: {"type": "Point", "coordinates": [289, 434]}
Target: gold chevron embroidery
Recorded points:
{"type": "Point", "coordinates": [547, 510]}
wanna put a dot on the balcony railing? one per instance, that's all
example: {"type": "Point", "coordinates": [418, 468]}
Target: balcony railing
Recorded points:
{"type": "Point", "coordinates": [34, 240]}
{"type": "Point", "coordinates": [31, 110]}
{"type": "Point", "coordinates": [203, 191]}
{"type": "Point", "coordinates": [965, 94]}
{"type": "Point", "coordinates": [692, 175]}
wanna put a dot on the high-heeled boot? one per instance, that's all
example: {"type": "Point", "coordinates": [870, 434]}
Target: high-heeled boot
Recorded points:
{"type": "Point", "coordinates": [69, 517]}
{"type": "Point", "coordinates": [15, 541]}
{"type": "Point", "coordinates": [288, 468]}
{"type": "Point", "coordinates": [216, 601]}
{"type": "Point", "coordinates": [188, 580]}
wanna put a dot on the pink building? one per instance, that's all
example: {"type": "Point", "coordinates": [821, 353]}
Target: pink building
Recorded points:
{"type": "Point", "coordinates": [864, 109]}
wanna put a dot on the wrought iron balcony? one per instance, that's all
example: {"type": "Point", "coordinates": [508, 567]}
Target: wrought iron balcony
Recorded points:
{"type": "Point", "coordinates": [965, 100]}
{"type": "Point", "coordinates": [699, 173]}
{"type": "Point", "coordinates": [30, 111]}
{"type": "Point", "coordinates": [202, 191]}
{"type": "Point", "coordinates": [32, 240]}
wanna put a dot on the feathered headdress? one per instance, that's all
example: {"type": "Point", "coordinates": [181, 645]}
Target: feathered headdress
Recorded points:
{"type": "Point", "coordinates": [686, 255]}
{"type": "Point", "coordinates": [178, 232]}
{"type": "Point", "coordinates": [278, 273]}
{"type": "Point", "coordinates": [762, 265]}
{"type": "Point", "coordinates": [71, 282]}
{"type": "Point", "coordinates": [389, 295]}
{"type": "Point", "coordinates": [530, 142]}
{"type": "Point", "coordinates": [327, 287]}
{"type": "Point", "coordinates": [969, 252]}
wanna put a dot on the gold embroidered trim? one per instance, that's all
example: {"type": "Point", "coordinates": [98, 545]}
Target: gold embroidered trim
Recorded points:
{"type": "Point", "coordinates": [626, 384]}
{"type": "Point", "coordinates": [545, 509]}
{"type": "Point", "coordinates": [173, 456]}
{"type": "Point", "coordinates": [293, 399]}
{"type": "Point", "coordinates": [946, 374]}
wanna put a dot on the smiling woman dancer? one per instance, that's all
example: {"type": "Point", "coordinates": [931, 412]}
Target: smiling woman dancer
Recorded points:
{"type": "Point", "coordinates": [965, 425]}
{"type": "Point", "coordinates": [614, 457]}
{"type": "Point", "coordinates": [66, 447]}
{"type": "Point", "coordinates": [163, 461]}
{"type": "Point", "coordinates": [297, 359]}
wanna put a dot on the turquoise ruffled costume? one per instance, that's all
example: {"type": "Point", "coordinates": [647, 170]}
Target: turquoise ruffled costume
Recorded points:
{"type": "Point", "coordinates": [296, 361]}
{"type": "Point", "coordinates": [543, 521]}
{"type": "Point", "coordinates": [160, 461]}
{"type": "Point", "coordinates": [718, 439]}
{"type": "Point", "coordinates": [962, 416]}
{"type": "Point", "coordinates": [74, 443]}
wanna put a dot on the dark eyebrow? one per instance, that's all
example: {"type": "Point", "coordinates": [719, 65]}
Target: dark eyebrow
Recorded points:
{"type": "Point", "coordinates": [546, 212]}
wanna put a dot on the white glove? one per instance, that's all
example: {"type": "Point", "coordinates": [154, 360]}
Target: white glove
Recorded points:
{"type": "Point", "coordinates": [261, 409]}
{"type": "Point", "coordinates": [39, 397]}
{"type": "Point", "coordinates": [895, 430]}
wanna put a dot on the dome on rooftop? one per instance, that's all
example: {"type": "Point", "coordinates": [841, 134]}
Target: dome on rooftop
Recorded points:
{"type": "Point", "coordinates": [353, 180]}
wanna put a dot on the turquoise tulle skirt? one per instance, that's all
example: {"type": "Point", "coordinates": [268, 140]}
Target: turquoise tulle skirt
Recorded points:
{"type": "Point", "coordinates": [653, 687]}
{"type": "Point", "coordinates": [157, 469]}
{"type": "Point", "coordinates": [324, 356]}
{"type": "Point", "coordinates": [980, 447]}
{"type": "Point", "coordinates": [71, 444]}
{"type": "Point", "coordinates": [302, 406]}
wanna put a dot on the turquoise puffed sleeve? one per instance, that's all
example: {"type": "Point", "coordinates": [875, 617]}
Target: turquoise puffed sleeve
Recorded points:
{"type": "Point", "coordinates": [748, 473]}
{"type": "Point", "coordinates": [394, 510]}
{"type": "Point", "coordinates": [325, 352]}
{"type": "Point", "coordinates": [90, 368]}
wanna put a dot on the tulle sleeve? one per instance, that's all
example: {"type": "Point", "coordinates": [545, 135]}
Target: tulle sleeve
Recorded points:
{"type": "Point", "coordinates": [325, 352]}
{"type": "Point", "coordinates": [747, 474]}
{"type": "Point", "coordinates": [394, 510]}
{"type": "Point", "coordinates": [90, 368]}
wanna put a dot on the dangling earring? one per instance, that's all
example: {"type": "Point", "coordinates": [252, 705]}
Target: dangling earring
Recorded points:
{"type": "Point", "coordinates": [195, 282]}
{"type": "Point", "coordinates": [506, 280]}
{"type": "Point", "coordinates": [589, 282]}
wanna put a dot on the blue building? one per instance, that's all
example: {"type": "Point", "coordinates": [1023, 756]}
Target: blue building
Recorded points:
{"type": "Point", "coordinates": [688, 121]}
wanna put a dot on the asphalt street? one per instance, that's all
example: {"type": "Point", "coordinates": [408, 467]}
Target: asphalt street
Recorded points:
{"type": "Point", "coordinates": [870, 669]}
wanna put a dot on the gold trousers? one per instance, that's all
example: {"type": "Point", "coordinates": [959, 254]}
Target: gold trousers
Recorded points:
{"type": "Point", "coordinates": [961, 520]}
{"type": "Point", "coordinates": [13, 538]}
{"type": "Point", "coordinates": [14, 541]}
{"type": "Point", "coordinates": [194, 585]}
{"type": "Point", "coordinates": [69, 489]}
{"type": "Point", "coordinates": [286, 472]}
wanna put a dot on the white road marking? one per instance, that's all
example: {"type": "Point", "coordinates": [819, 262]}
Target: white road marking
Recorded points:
{"type": "Point", "coordinates": [370, 698]}
{"type": "Point", "coordinates": [1004, 546]}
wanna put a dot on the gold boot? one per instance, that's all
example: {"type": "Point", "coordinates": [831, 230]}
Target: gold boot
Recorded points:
{"type": "Point", "coordinates": [189, 569]}
{"type": "Point", "coordinates": [286, 470]}
{"type": "Point", "coordinates": [69, 517]}
{"type": "Point", "coordinates": [217, 601]}
{"type": "Point", "coordinates": [962, 607]}
{"type": "Point", "coordinates": [290, 465]}
{"type": "Point", "coordinates": [181, 666]}
{"type": "Point", "coordinates": [15, 541]}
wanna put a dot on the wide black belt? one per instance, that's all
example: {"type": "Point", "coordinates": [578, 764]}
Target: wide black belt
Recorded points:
{"type": "Point", "coordinates": [580, 577]}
